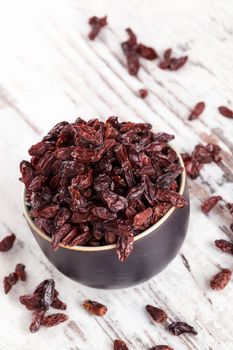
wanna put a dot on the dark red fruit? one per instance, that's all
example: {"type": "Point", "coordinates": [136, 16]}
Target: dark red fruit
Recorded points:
{"type": "Point", "coordinates": [96, 23]}
{"type": "Point", "coordinates": [95, 308]}
{"type": "Point", "coordinates": [7, 243]}
{"type": "Point", "coordinates": [158, 315]}
{"type": "Point", "coordinates": [221, 279]}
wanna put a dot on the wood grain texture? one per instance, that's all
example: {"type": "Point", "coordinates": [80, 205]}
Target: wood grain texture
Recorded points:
{"type": "Point", "coordinates": [51, 72]}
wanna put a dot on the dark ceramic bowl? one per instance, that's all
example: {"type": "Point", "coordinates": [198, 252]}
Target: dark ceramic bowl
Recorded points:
{"type": "Point", "coordinates": [98, 267]}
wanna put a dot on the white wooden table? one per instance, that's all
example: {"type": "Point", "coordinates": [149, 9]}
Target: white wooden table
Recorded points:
{"type": "Point", "coordinates": [50, 72]}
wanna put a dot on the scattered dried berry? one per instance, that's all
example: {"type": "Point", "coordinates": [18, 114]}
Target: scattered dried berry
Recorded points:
{"type": "Point", "coordinates": [95, 308]}
{"type": "Point", "coordinates": [10, 281]}
{"type": "Point", "coordinates": [7, 243]}
{"type": "Point", "coordinates": [209, 203]}
{"type": "Point", "coordinates": [197, 110]}
{"type": "Point", "coordinates": [172, 63]}
{"type": "Point", "coordinates": [225, 246]}
{"type": "Point", "coordinates": [157, 314]}
{"type": "Point", "coordinates": [221, 279]}
{"type": "Point", "coordinates": [96, 23]}
{"type": "Point", "coordinates": [20, 270]}
{"type": "Point", "coordinates": [161, 347]}
{"type": "Point", "coordinates": [133, 51]}
{"type": "Point", "coordinates": [226, 112]}
{"type": "Point", "coordinates": [178, 328]}
{"type": "Point", "coordinates": [201, 155]}
{"type": "Point", "coordinates": [143, 93]}
{"type": "Point", "coordinates": [47, 294]}
{"type": "Point", "coordinates": [54, 319]}
{"type": "Point", "coordinates": [120, 345]}
{"type": "Point", "coordinates": [97, 183]}
{"type": "Point", "coordinates": [37, 319]}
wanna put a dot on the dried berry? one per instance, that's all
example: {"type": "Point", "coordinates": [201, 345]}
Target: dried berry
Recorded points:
{"type": "Point", "coordinates": [47, 294]}
{"type": "Point", "coordinates": [201, 155]}
{"type": "Point", "coordinates": [94, 183]}
{"type": "Point", "coordinates": [143, 93]}
{"type": "Point", "coordinates": [95, 308]}
{"type": "Point", "coordinates": [54, 319]}
{"type": "Point", "coordinates": [209, 203]}
{"type": "Point", "coordinates": [20, 270]}
{"type": "Point", "coordinates": [171, 63]}
{"type": "Point", "coordinates": [31, 302]}
{"type": "Point", "coordinates": [225, 246]}
{"type": "Point", "coordinates": [96, 23]}
{"type": "Point", "coordinates": [226, 112]}
{"type": "Point", "coordinates": [7, 243]}
{"type": "Point", "coordinates": [120, 345]}
{"type": "Point", "coordinates": [157, 314]}
{"type": "Point", "coordinates": [10, 281]}
{"type": "Point", "coordinates": [221, 279]}
{"type": "Point", "coordinates": [197, 110]}
{"type": "Point", "coordinates": [133, 51]}
{"type": "Point", "coordinates": [147, 52]}
{"type": "Point", "coordinates": [161, 347]}
{"type": "Point", "coordinates": [37, 319]}
{"type": "Point", "coordinates": [124, 247]}
{"type": "Point", "coordinates": [178, 328]}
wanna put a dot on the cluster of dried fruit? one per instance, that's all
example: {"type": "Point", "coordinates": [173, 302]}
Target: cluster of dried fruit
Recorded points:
{"type": "Point", "coordinates": [44, 296]}
{"type": "Point", "coordinates": [201, 155]}
{"type": "Point", "coordinates": [134, 51]}
{"type": "Point", "coordinates": [94, 183]}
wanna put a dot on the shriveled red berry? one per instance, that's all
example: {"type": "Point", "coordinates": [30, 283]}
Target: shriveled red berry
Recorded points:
{"type": "Point", "coordinates": [120, 345]}
{"type": "Point", "coordinates": [209, 203]}
{"type": "Point", "coordinates": [94, 307]}
{"type": "Point", "coordinates": [225, 246]}
{"type": "Point", "coordinates": [158, 315]}
{"type": "Point", "coordinates": [226, 112]}
{"type": "Point", "coordinates": [178, 328]}
{"type": "Point", "coordinates": [197, 110]}
{"type": "Point", "coordinates": [7, 243]}
{"type": "Point", "coordinates": [221, 279]}
{"type": "Point", "coordinates": [143, 93]}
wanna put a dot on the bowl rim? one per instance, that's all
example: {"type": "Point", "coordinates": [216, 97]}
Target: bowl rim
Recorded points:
{"type": "Point", "coordinates": [109, 246]}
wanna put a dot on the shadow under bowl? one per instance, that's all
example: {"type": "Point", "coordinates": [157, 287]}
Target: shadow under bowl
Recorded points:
{"type": "Point", "coordinates": [99, 267]}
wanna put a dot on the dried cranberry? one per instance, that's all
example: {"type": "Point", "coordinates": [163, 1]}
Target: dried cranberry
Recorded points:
{"type": "Point", "coordinates": [7, 243]}
{"type": "Point", "coordinates": [94, 307]}
{"type": "Point", "coordinates": [221, 279]}
{"type": "Point", "coordinates": [209, 203]}
{"type": "Point", "coordinates": [120, 345]}
{"type": "Point", "coordinates": [178, 328]}
{"type": "Point", "coordinates": [143, 93]}
{"type": "Point", "coordinates": [10, 281]}
{"type": "Point", "coordinates": [157, 314]}
{"type": "Point", "coordinates": [224, 245]}
{"type": "Point", "coordinates": [96, 23]}
{"type": "Point", "coordinates": [197, 110]}
{"type": "Point", "coordinates": [20, 270]}
{"type": "Point", "coordinates": [124, 247]}
{"type": "Point", "coordinates": [37, 319]}
{"type": "Point", "coordinates": [54, 319]}
{"type": "Point", "coordinates": [226, 112]}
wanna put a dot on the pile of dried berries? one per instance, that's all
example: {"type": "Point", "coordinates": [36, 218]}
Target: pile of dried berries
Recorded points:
{"type": "Point", "coordinates": [12, 279]}
{"type": "Point", "coordinates": [44, 296]}
{"type": "Point", "coordinates": [201, 155]}
{"type": "Point", "coordinates": [94, 183]}
{"type": "Point", "coordinates": [171, 63]}
{"type": "Point", "coordinates": [134, 51]}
